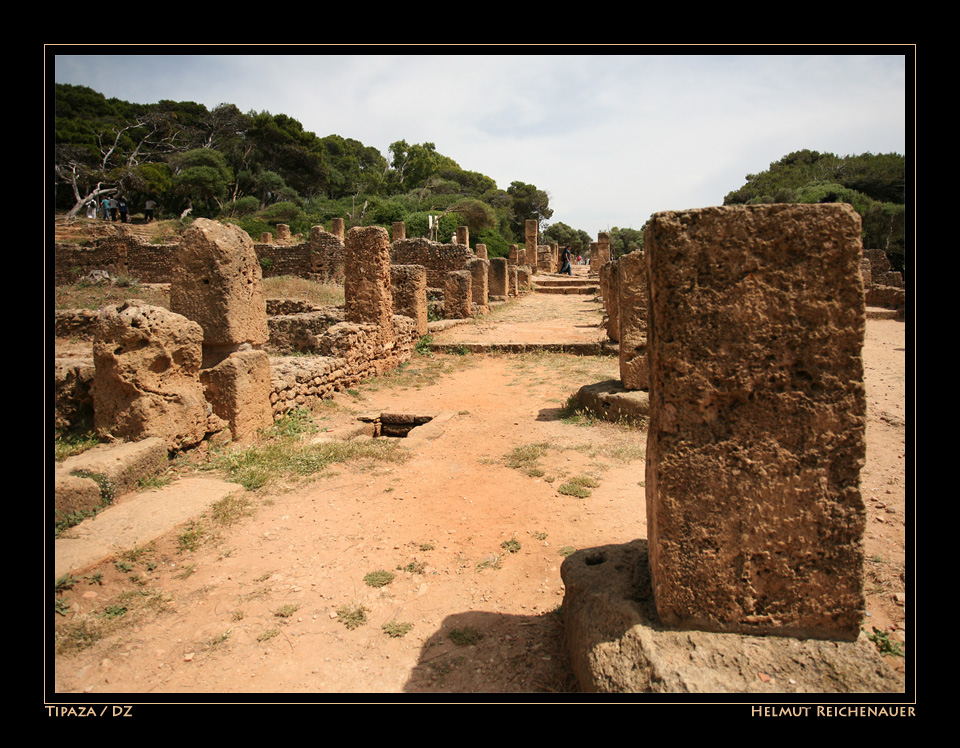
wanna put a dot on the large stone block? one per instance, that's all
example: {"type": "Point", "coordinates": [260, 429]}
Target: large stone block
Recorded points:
{"type": "Point", "coordinates": [631, 311]}
{"type": "Point", "coordinates": [498, 277]}
{"type": "Point", "coordinates": [147, 362]}
{"type": "Point", "coordinates": [217, 283]}
{"type": "Point", "coordinates": [756, 437]}
{"type": "Point", "coordinates": [366, 285]}
{"type": "Point", "coordinates": [238, 389]}
{"type": "Point", "coordinates": [457, 295]}
{"type": "Point", "coordinates": [409, 292]}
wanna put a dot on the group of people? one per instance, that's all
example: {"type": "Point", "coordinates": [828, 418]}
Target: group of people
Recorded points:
{"type": "Point", "coordinates": [116, 209]}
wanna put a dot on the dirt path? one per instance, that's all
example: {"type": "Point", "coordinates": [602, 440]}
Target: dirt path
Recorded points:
{"type": "Point", "coordinates": [475, 544]}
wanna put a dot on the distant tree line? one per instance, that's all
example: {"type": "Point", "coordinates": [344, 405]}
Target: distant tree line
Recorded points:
{"type": "Point", "coordinates": [259, 169]}
{"type": "Point", "coordinates": [874, 184]}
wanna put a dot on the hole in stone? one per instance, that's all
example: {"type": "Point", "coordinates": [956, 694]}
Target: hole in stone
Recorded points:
{"type": "Point", "coordinates": [399, 425]}
{"type": "Point", "coordinates": [594, 559]}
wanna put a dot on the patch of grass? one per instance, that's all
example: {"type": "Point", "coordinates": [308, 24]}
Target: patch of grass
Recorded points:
{"type": "Point", "coordinates": [293, 423]}
{"type": "Point", "coordinates": [885, 645]}
{"type": "Point", "coordinates": [414, 567]}
{"type": "Point", "coordinates": [424, 346]}
{"type": "Point", "coordinates": [328, 293]}
{"type": "Point", "coordinates": [192, 537]}
{"type": "Point", "coordinates": [279, 459]}
{"type": "Point", "coordinates": [231, 509]}
{"type": "Point", "coordinates": [526, 458]}
{"type": "Point", "coordinates": [511, 546]}
{"type": "Point", "coordinates": [379, 578]}
{"type": "Point", "coordinates": [216, 641]}
{"type": "Point", "coordinates": [426, 546]}
{"type": "Point", "coordinates": [267, 635]}
{"type": "Point", "coordinates": [579, 486]}
{"type": "Point", "coordinates": [488, 563]}
{"type": "Point", "coordinates": [286, 611]}
{"type": "Point", "coordinates": [352, 616]}
{"type": "Point", "coordinates": [465, 636]}
{"type": "Point", "coordinates": [396, 629]}
{"type": "Point", "coordinates": [69, 444]}
{"type": "Point", "coordinates": [567, 550]}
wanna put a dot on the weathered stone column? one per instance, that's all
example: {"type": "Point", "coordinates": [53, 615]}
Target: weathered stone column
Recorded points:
{"type": "Point", "coordinates": [366, 283]}
{"type": "Point", "coordinates": [756, 436]}
{"type": "Point", "coordinates": [399, 231]}
{"type": "Point", "coordinates": [514, 256]}
{"type": "Point", "coordinates": [603, 244]}
{"type": "Point", "coordinates": [498, 277]}
{"type": "Point", "coordinates": [610, 290]}
{"type": "Point", "coordinates": [147, 362]}
{"type": "Point", "coordinates": [480, 282]}
{"type": "Point", "coordinates": [630, 272]}
{"type": "Point", "coordinates": [532, 234]}
{"type": "Point", "coordinates": [217, 283]}
{"type": "Point", "coordinates": [336, 227]}
{"type": "Point", "coordinates": [409, 292]}
{"type": "Point", "coordinates": [481, 250]}
{"type": "Point", "coordinates": [457, 295]}
{"type": "Point", "coordinates": [463, 236]}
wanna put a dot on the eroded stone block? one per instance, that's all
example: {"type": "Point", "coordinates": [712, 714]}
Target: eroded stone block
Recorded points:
{"type": "Point", "coordinates": [756, 436]}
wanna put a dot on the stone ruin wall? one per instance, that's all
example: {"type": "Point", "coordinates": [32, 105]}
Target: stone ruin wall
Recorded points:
{"type": "Point", "coordinates": [339, 353]}
{"type": "Point", "coordinates": [439, 259]}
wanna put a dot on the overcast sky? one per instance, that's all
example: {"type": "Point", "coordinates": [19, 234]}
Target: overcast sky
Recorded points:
{"type": "Point", "coordinates": [611, 138]}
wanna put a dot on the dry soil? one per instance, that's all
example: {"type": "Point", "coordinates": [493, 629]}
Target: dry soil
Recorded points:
{"type": "Point", "coordinates": [475, 544]}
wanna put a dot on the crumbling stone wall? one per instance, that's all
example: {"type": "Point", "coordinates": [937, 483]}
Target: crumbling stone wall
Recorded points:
{"type": "Point", "coordinates": [757, 419]}
{"type": "Point", "coordinates": [349, 354]}
{"type": "Point", "coordinates": [122, 254]}
{"type": "Point", "coordinates": [438, 259]}
{"type": "Point", "coordinates": [410, 294]}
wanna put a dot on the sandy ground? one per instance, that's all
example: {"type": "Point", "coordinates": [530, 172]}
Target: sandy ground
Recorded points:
{"type": "Point", "coordinates": [475, 545]}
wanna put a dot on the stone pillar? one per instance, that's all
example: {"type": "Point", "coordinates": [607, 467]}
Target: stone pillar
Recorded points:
{"type": "Point", "coordinates": [594, 259]}
{"type": "Point", "coordinates": [266, 238]}
{"type": "Point", "coordinates": [399, 231]}
{"type": "Point", "coordinates": [513, 280]}
{"type": "Point", "coordinates": [366, 284]}
{"type": "Point", "coordinates": [481, 250]}
{"type": "Point", "coordinates": [217, 283]}
{"type": "Point", "coordinates": [409, 292]}
{"type": "Point", "coordinates": [463, 236]}
{"type": "Point", "coordinates": [336, 227]}
{"type": "Point", "coordinates": [480, 282]}
{"type": "Point", "coordinates": [610, 290]}
{"type": "Point", "coordinates": [498, 277]}
{"type": "Point", "coordinates": [757, 419]}
{"type": "Point", "coordinates": [532, 232]}
{"type": "Point", "coordinates": [631, 290]}
{"type": "Point", "coordinates": [457, 295]}
{"type": "Point", "coordinates": [514, 256]}
{"type": "Point", "coordinates": [146, 383]}
{"type": "Point", "coordinates": [283, 233]}
{"type": "Point", "coordinates": [603, 243]}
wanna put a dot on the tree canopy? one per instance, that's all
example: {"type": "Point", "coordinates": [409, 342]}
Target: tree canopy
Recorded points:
{"type": "Point", "coordinates": [227, 164]}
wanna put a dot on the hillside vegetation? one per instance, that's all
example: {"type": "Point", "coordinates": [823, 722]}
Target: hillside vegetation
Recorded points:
{"type": "Point", "coordinates": [259, 169]}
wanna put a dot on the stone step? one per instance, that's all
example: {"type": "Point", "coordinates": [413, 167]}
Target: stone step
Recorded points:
{"type": "Point", "coordinates": [567, 289]}
{"type": "Point", "coordinates": [136, 521]}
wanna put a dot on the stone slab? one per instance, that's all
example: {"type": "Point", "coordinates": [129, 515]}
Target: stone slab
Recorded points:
{"type": "Point", "coordinates": [138, 520]}
{"type": "Point", "coordinates": [617, 644]}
